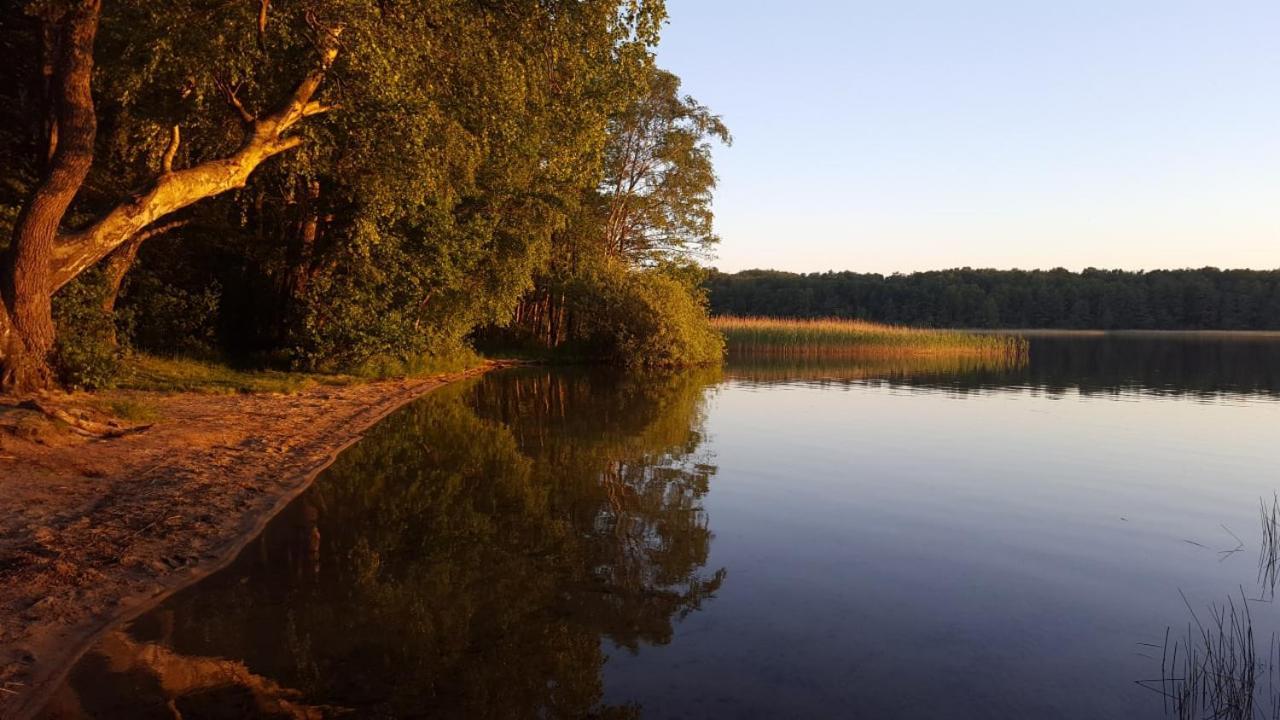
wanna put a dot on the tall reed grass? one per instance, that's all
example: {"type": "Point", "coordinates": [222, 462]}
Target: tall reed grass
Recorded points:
{"type": "Point", "coordinates": [833, 337]}
{"type": "Point", "coordinates": [1215, 672]}
{"type": "Point", "coordinates": [1269, 556]}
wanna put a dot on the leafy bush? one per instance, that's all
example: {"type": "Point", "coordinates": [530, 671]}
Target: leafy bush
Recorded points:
{"type": "Point", "coordinates": [357, 320]}
{"type": "Point", "coordinates": [171, 320]}
{"type": "Point", "coordinates": [647, 318]}
{"type": "Point", "coordinates": [86, 355]}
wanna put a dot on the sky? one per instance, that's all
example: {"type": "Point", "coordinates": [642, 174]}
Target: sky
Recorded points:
{"type": "Point", "coordinates": [901, 135]}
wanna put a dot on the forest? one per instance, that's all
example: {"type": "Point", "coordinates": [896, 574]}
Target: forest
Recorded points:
{"type": "Point", "coordinates": [1194, 299]}
{"type": "Point", "coordinates": [334, 184]}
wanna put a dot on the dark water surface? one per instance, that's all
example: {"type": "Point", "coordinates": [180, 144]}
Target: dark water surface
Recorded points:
{"type": "Point", "coordinates": [885, 540]}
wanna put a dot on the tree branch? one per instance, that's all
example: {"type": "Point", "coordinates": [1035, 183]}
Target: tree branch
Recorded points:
{"type": "Point", "coordinates": [175, 189]}
{"type": "Point", "coordinates": [317, 108]}
{"type": "Point", "coordinates": [161, 229]}
{"type": "Point", "coordinates": [263, 6]}
{"type": "Point", "coordinates": [230, 93]}
{"type": "Point", "coordinates": [294, 110]}
{"type": "Point", "coordinates": [166, 163]}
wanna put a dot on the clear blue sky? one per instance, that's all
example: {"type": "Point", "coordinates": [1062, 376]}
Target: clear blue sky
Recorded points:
{"type": "Point", "coordinates": [901, 135]}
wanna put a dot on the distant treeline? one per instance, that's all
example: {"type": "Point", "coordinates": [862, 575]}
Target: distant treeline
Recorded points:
{"type": "Point", "coordinates": [1202, 299]}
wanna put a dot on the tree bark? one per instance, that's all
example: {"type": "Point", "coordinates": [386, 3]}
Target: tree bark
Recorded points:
{"type": "Point", "coordinates": [302, 251]}
{"type": "Point", "coordinates": [114, 268]}
{"type": "Point", "coordinates": [41, 259]}
{"type": "Point", "coordinates": [27, 267]}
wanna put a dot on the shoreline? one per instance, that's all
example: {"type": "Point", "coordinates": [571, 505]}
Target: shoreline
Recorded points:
{"type": "Point", "coordinates": [91, 540]}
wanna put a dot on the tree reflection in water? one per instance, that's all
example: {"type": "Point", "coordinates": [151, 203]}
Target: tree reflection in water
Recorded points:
{"type": "Point", "coordinates": [466, 559]}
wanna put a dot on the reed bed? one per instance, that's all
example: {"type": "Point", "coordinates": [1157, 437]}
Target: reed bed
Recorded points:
{"type": "Point", "coordinates": [834, 337]}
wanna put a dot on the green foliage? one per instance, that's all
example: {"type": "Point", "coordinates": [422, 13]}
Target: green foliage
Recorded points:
{"type": "Point", "coordinates": [418, 365]}
{"type": "Point", "coordinates": [85, 355]}
{"type": "Point", "coordinates": [1203, 299]}
{"type": "Point", "coordinates": [169, 319]}
{"type": "Point", "coordinates": [644, 318]}
{"type": "Point", "coordinates": [659, 175]}
{"type": "Point", "coordinates": [622, 283]}
{"type": "Point", "coordinates": [133, 410]}
{"type": "Point", "coordinates": [472, 152]}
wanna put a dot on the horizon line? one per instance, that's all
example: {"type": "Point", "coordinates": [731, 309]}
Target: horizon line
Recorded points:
{"type": "Point", "coordinates": [971, 268]}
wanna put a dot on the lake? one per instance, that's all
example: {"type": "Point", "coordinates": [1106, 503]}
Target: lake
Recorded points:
{"type": "Point", "coordinates": [898, 539]}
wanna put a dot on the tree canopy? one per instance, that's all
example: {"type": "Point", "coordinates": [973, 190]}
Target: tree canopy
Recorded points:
{"type": "Point", "coordinates": [326, 182]}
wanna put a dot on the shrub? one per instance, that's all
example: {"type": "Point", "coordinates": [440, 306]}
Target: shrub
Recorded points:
{"type": "Point", "coordinates": [643, 318]}
{"type": "Point", "coordinates": [85, 355]}
{"type": "Point", "coordinates": [170, 320]}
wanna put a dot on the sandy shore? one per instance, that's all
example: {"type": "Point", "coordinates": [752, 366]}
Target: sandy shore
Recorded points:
{"type": "Point", "coordinates": [96, 531]}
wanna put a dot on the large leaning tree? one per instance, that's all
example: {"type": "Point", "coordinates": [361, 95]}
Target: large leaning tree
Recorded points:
{"type": "Point", "coordinates": [45, 251]}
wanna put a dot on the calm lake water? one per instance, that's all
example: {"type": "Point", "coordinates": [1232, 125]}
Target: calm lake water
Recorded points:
{"type": "Point", "coordinates": [777, 540]}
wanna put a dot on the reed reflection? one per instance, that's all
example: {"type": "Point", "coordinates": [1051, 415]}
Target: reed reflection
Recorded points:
{"type": "Point", "coordinates": [1106, 364]}
{"type": "Point", "coordinates": [466, 559]}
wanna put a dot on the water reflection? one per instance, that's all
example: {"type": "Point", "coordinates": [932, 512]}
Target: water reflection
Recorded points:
{"type": "Point", "coordinates": [826, 371]}
{"type": "Point", "coordinates": [538, 544]}
{"type": "Point", "coordinates": [1196, 365]}
{"type": "Point", "coordinates": [466, 559]}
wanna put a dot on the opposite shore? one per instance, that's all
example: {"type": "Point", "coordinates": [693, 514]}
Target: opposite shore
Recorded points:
{"type": "Point", "coordinates": [96, 530]}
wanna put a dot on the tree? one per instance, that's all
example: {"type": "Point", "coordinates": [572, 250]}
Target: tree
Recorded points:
{"type": "Point", "coordinates": [42, 255]}
{"type": "Point", "coordinates": [523, 98]}
{"type": "Point", "coordinates": [1206, 298]}
{"type": "Point", "coordinates": [618, 286]}
{"type": "Point", "coordinates": [659, 175]}
{"type": "Point", "coordinates": [469, 138]}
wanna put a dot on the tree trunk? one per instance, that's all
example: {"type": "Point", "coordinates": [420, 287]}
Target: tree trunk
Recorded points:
{"type": "Point", "coordinates": [118, 264]}
{"type": "Point", "coordinates": [25, 283]}
{"type": "Point", "coordinates": [302, 250]}
{"type": "Point", "coordinates": [114, 268]}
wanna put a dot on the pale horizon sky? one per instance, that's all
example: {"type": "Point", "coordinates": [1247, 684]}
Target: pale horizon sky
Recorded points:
{"type": "Point", "coordinates": [925, 134]}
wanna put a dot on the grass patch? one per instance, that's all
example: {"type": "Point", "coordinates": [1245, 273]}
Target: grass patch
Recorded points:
{"type": "Point", "coordinates": [150, 372]}
{"type": "Point", "coordinates": [418, 366]}
{"type": "Point", "coordinates": [133, 410]}
{"type": "Point", "coordinates": [834, 337]}
{"type": "Point", "coordinates": [177, 374]}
